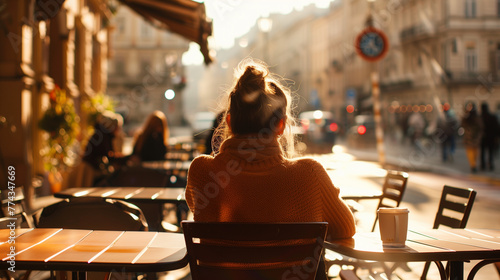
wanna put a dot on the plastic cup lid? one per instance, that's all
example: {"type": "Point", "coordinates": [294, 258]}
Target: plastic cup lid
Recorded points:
{"type": "Point", "coordinates": [393, 210]}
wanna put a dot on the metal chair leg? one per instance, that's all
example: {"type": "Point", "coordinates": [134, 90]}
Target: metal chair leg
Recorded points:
{"type": "Point", "coordinates": [426, 269]}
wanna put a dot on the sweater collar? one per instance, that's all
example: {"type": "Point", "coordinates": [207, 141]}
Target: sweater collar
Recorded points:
{"type": "Point", "coordinates": [253, 149]}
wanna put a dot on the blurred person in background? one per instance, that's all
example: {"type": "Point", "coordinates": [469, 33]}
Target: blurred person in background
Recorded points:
{"type": "Point", "coordinates": [491, 132]}
{"type": "Point", "coordinates": [473, 132]}
{"type": "Point", "coordinates": [212, 143]}
{"type": "Point", "coordinates": [416, 128]}
{"type": "Point", "coordinates": [151, 141]}
{"type": "Point", "coordinates": [99, 157]}
{"type": "Point", "coordinates": [446, 133]}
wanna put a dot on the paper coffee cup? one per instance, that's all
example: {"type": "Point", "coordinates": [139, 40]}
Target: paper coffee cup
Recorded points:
{"type": "Point", "coordinates": [393, 224]}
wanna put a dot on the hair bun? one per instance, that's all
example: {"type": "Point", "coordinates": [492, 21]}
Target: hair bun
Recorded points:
{"type": "Point", "coordinates": [251, 84]}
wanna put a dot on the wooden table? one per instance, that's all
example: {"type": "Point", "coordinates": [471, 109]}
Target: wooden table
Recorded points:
{"type": "Point", "coordinates": [131, 194]}
{"type": "Point", "coordinates": [88, 250]}
{"type": "Point", "coordinates": [432, 245]}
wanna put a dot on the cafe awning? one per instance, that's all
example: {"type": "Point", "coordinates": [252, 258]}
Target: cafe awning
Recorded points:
{"type": "Point", "coordinates": [184, 17]}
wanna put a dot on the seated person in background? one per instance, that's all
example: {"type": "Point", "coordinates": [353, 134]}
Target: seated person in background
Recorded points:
{"type": "Point", "coordinates": [212, 142]}
{"type": "Point", "coordinates": [253, 177]}
{"type": "Point", "coordinates": [151, 141]}
{"type": "Point", "coordinates": [99, 156]}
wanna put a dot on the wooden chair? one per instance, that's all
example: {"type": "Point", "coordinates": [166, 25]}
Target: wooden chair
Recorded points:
{"type": "Point", "coordinates": [453, 211]}
{"type": "Point", "coordinates": [13, 206]}
{"type": "Point", "coordinates": [393, 189]}
{"type": "Point", "coordinates": [92, 213]}
{"type": "Point", "coordinates": [14, 215]}
{"type": "Point", "coordinates": [137, 176]}
{"type": "Point", "coordinates": [254, 251]}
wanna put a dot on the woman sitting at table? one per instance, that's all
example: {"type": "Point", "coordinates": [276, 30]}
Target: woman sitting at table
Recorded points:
{"type": "Point", "coordinates": [253, 178]}
{"type": "Point", "coordinates": [152, 140]}
{"type": "Point", "coordinates": [99, 156]}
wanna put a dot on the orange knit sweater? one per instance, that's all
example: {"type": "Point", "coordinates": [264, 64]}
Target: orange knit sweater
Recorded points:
{"type": "Point", "coordinates": [250, 181]}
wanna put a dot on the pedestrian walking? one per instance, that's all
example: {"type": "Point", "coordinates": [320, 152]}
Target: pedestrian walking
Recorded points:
{"type": "Point", "coordinates": [416, 128]}
{"type": "Point", "coordinates": [447, 130]}
{"type": "Point", "coordinates": [473, 132]}
{"type": "Point", "coordinates": [491, 132]}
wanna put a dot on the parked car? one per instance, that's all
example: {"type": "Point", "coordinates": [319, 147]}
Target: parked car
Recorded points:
{"type": "Point", "coordinates": [202, 124]}
{"type": "Point", "coordinates": [319, 131]}
{"type": "Point", "coordinates": [362, 133]}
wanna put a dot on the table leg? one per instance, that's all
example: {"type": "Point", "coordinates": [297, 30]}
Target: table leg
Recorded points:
{"type": "Point", "coordinates": [456, 270]}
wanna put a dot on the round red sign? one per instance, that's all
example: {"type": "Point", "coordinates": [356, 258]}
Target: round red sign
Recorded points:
{"type": "Point", "coordinates": [371, 44]}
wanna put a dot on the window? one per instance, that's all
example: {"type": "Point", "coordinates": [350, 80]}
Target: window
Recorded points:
{"type": "Point", "coordinates": [470, 8]}
{"type": "Point", "coordinates": [145, 67]}
{"type": "Point", "coordinates": [119, 66]}
{"type": "Point", "coordinates": [146, 30]}
{"type": "Point", "coordinates": [120, 25]}
{"type": "Point", "coordinates": [498, 8]}
{"type": "Point", "coordinates": [444, 55]}
{"type": "Point", "coordinates": [498, 57]}
{"type": "Point", "coordinates": [470, 59]}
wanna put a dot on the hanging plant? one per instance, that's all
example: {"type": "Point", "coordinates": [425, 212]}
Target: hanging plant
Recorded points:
{"type": "Point", "coordinates": [95, 106]}
{"type": "Point", "coordinates": [61, 123]}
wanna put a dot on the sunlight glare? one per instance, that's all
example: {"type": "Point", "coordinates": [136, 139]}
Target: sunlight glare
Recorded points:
{"type": "Point", "coordinates": [193, 56]}
{"type": "Point", "coordinates": [337, 149]}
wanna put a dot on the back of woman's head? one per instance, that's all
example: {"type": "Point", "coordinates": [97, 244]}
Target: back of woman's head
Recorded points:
{"type": "Point", "coordinates": [260, 104]}
{"type": "Point", "coordinates": [155, 124]}
{"type": "Point", "coordinates": [257, 102]}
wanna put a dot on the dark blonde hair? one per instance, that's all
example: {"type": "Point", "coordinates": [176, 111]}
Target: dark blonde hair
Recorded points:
{"type": "Point", "coordinates": [257, 104]}
{"type": "Point", "coordinates": [155, 119]}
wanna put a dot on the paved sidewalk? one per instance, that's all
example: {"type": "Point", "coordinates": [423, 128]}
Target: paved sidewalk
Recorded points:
{"type": "Point", "coordinates": [427, 159]}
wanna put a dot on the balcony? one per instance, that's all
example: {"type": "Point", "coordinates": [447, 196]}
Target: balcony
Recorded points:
{"type": "Point", "coordinates": [416, 32]}
{"type": "Point", "coordinates": [486, 78]}
{"type": "Point", "coordinates": [396, 85]}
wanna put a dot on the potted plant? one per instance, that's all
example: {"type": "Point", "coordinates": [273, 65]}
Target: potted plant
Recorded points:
{"type": "Point", "coordinates": [61, 123]}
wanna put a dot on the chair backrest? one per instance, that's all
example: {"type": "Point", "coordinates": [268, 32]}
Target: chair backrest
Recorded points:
{"type": "Point", "coordinates": [254, 250]}
{"type": "Point", "coordinates": [392, 191]}
{"type": "Point", "coordinates": [13, 206]}
{"type": "Point", "coordinates": [454, 207]}
{"type": "Point", "coordinates": [93, 213]}
{"type": "Point", "coordinates": [21, 220]}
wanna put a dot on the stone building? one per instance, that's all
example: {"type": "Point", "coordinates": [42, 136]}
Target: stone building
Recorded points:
{"type": "Point", "coordinates": [64, 43]}
{"type": "Point", "coordinates": [440, 51]}
{"type": "Point", "coordinates": [145, 63]}
{"type": "Point", "coordinates": [45, 43]}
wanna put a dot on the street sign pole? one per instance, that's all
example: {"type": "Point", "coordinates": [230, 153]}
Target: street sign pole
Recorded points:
{"type": "Point", "coordinates": [372, 45]}
{"type": "Point", "coordinates": [379, 131]}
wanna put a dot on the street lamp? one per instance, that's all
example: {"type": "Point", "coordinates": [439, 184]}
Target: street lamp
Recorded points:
{"type": "Point", "coordinates": [265, 25]}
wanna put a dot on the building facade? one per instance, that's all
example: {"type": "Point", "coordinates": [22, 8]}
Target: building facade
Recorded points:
{"type": "Point", "coordinates": [145, 63]}
{"type": "Point", "coordinates": [46, 44]}
{"type": "Point", "coordinates": [440, 51]}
